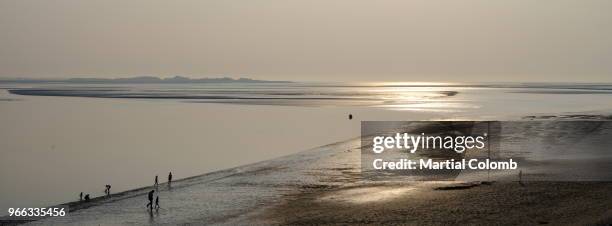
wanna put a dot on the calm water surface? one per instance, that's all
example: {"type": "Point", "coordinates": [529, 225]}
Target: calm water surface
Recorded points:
{"type": "Point", "coordinates": [53, 147]}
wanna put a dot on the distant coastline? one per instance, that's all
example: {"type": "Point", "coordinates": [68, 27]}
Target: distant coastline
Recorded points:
{"type": "Point", "coordinates": [141, 80]}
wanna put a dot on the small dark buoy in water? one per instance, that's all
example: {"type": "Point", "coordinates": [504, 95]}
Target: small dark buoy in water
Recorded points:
{"type": "Point", "coordinates": [350, 116]}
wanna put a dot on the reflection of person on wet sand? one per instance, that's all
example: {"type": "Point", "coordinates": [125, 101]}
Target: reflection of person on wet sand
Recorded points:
{"type": "Point", "coordinates": [157, 203]}
{"type": "Point", "coordinates": [150, 204]}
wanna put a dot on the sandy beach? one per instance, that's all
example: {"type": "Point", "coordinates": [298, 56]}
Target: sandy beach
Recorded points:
{"type": "Point", "coordinates": [422, 204]}
{"type": "Point", "coordinates": [324, 186]}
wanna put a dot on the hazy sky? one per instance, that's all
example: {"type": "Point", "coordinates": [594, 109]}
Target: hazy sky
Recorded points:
{"type": "Point", "coordinates": [326, 40]}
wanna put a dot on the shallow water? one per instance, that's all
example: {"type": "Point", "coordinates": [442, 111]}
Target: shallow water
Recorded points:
{"type": "Point", "coordinates": [54, 147]}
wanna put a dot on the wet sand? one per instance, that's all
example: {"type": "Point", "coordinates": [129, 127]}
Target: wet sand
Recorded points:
{"type": "Point", "coordinates": [324, 186]}
{"type": "Point", "coordinates": [506, 203]}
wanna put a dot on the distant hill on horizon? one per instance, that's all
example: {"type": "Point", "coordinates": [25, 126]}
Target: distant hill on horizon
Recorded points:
{"type": "Point", "coordinates": [142, 79]}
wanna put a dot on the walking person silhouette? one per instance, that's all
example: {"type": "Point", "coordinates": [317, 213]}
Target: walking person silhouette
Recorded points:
{"type": "Point", "coordinates": [107, 190]}
{"type": "Point", "coordinates": [150, 204]}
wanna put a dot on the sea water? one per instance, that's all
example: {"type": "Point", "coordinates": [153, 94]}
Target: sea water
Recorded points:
{"type": "Point", "coordinates": [62, 139]}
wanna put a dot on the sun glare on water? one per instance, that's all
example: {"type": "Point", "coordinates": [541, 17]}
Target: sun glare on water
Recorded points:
{"type": "Point", "coordinates": [367, 195]}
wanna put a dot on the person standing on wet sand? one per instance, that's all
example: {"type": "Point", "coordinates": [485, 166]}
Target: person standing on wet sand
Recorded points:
{"type": "Point", "coordinates": [169, 178]}
{"type": "Point", "coordinates": [150, 204]}
{"type": "Point", "coordinates": [156, 181]}
{"type": "Point", "coordinates": [81, 196]}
